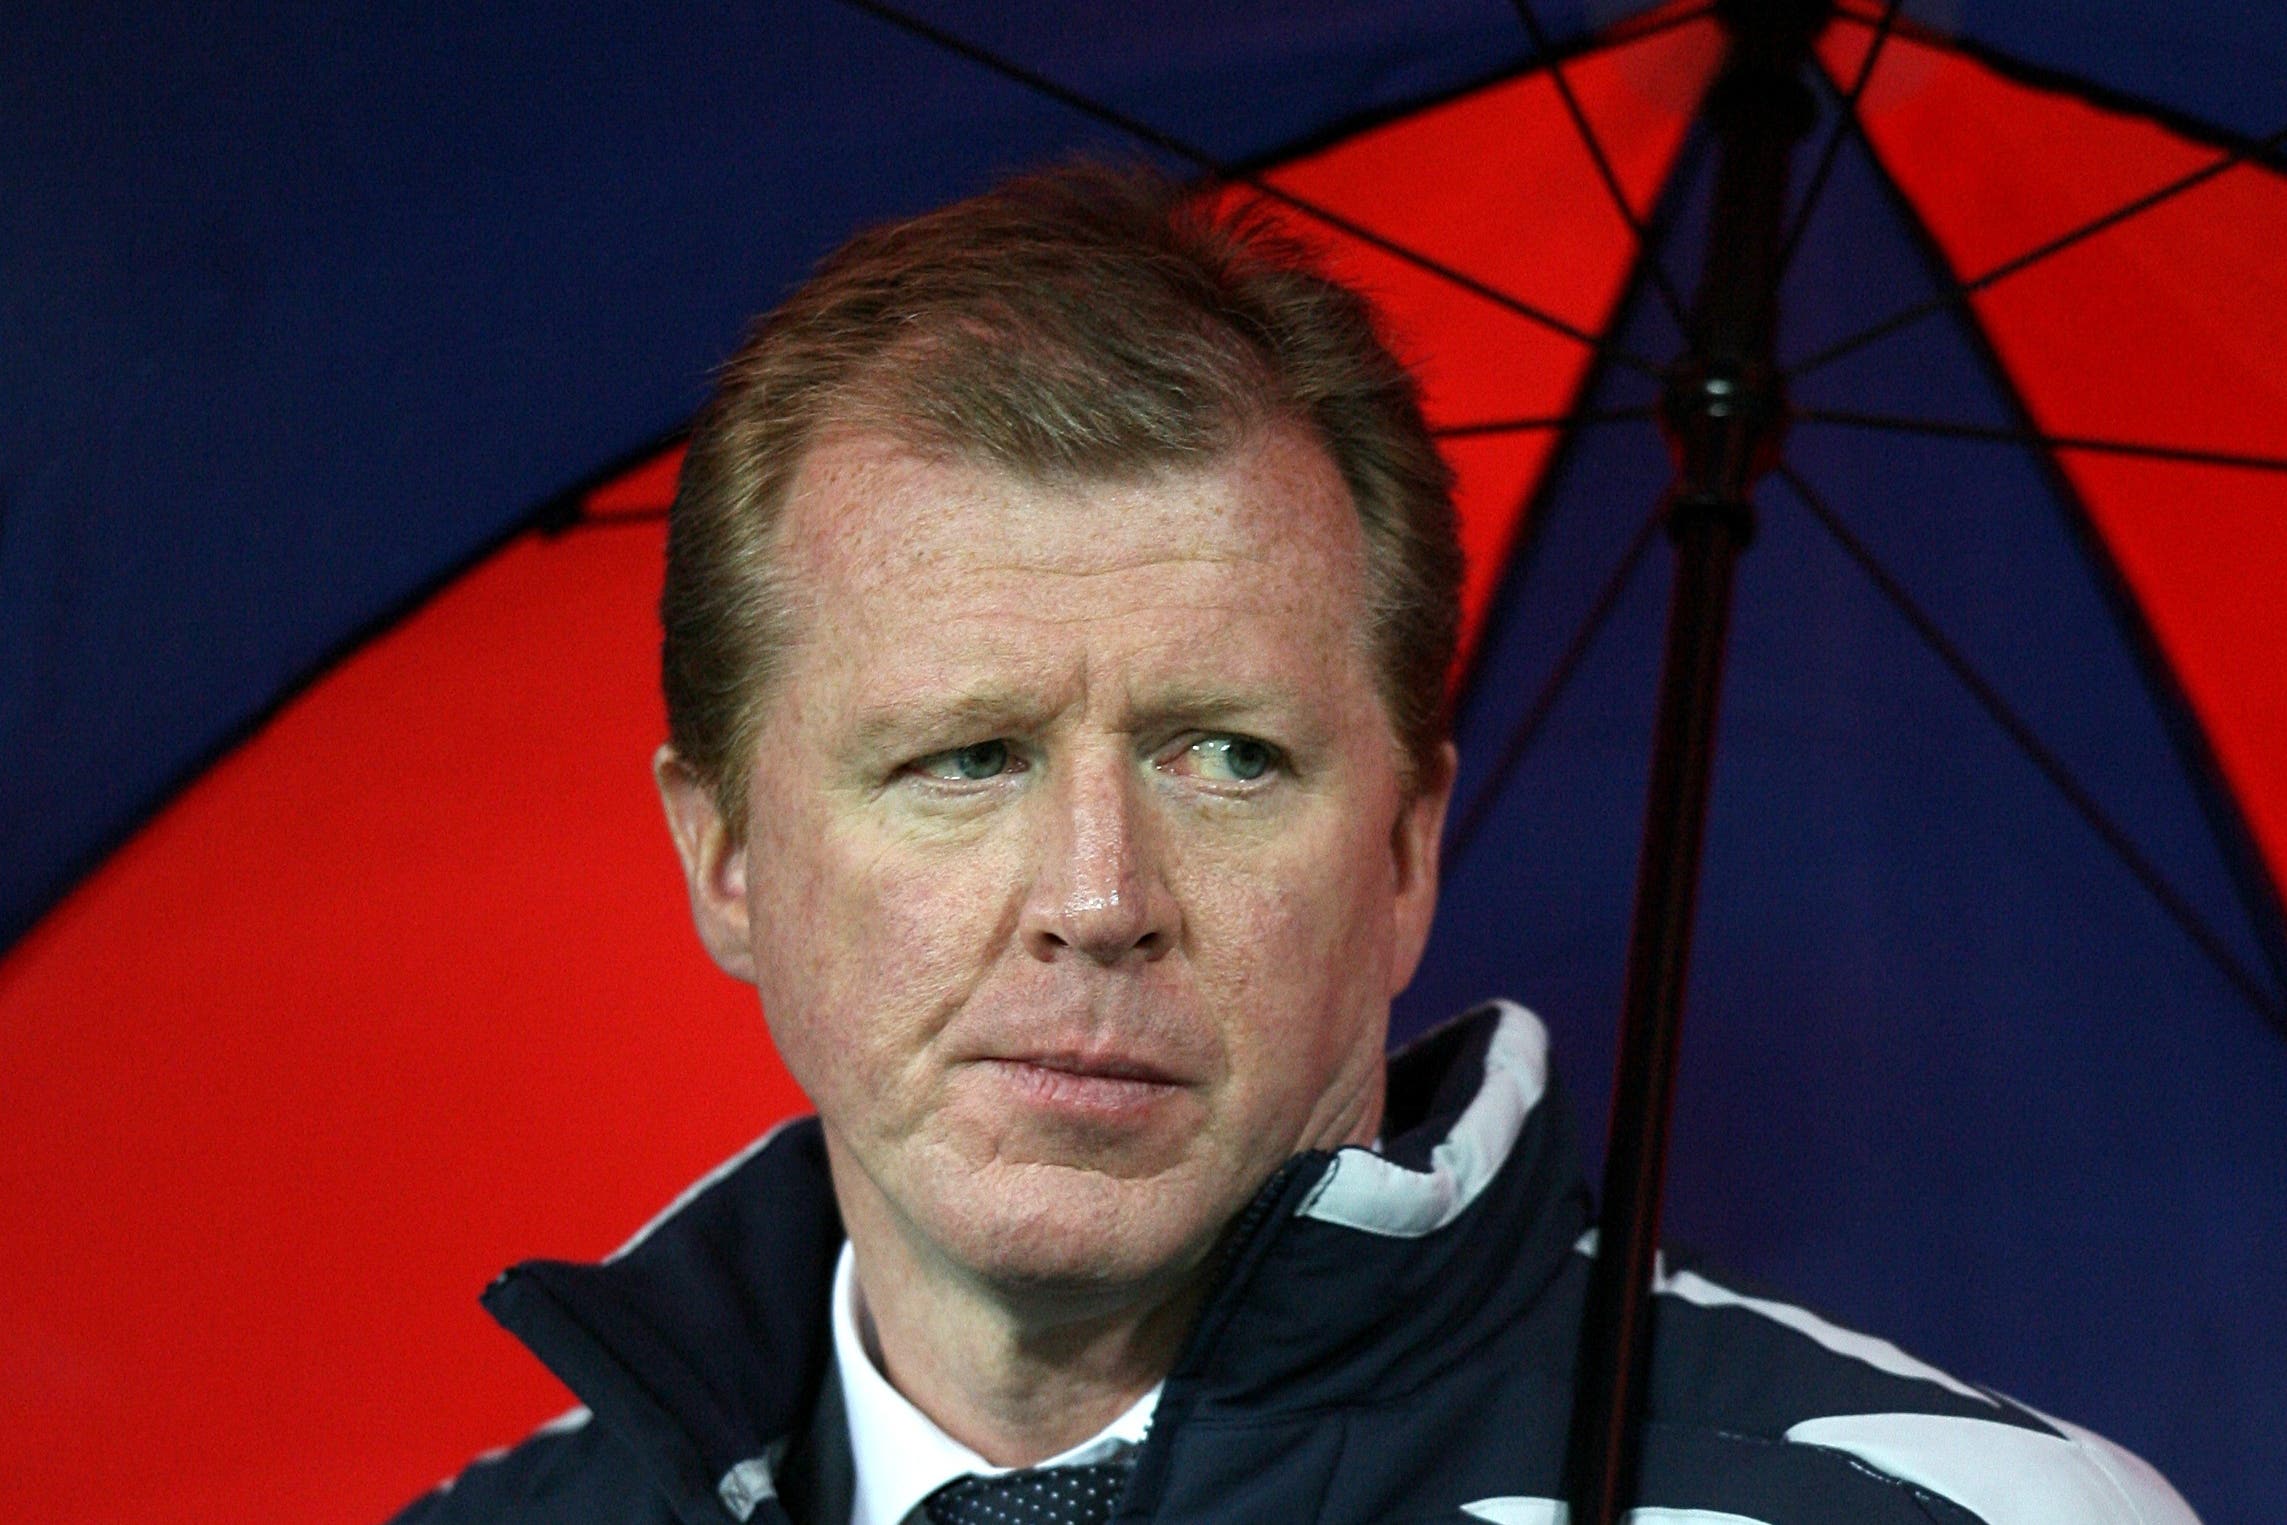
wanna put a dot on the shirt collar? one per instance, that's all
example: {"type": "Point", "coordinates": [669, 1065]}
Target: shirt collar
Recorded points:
{"type": "Point", "coordinates": [898, 1453]}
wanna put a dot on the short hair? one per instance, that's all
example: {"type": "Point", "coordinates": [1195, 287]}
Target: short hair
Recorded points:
{"type": "Point", "coordinates": [1082, 320]}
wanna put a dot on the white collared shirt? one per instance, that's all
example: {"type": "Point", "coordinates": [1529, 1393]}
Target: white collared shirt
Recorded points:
{"type": "Point", "coordinates": [899, 1454]}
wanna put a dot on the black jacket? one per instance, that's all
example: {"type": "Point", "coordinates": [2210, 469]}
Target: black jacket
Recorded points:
{"type": "Point", "coordinates": [1390, 1339]}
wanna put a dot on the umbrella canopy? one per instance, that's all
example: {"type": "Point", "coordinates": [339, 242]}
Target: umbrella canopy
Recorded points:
{"type": "Point", "coordinates": [1985, 1047]}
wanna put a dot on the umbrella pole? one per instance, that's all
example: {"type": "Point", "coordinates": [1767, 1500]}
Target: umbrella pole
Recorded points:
{"type": "Point", "coordinates": [1724, 416]}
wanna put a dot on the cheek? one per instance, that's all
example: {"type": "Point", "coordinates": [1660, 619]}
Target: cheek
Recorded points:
{"type": "Point", "coordinates": [1293, 940]}
{"type": "Point", "coordinates": [872, 940]}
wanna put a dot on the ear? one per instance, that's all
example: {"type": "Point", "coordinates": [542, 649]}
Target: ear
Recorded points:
{"type": "Point", "coordinates": [714, 866]}
{"type": "Point", "coordinates": [1414, 843]}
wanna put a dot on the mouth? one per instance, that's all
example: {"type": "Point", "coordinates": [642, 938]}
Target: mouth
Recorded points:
{"type": "Point", "coordinates": [1105, 1086]}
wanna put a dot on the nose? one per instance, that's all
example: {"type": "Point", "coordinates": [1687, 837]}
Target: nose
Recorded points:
{"type": "Point", "coordinates": [1098, 891]}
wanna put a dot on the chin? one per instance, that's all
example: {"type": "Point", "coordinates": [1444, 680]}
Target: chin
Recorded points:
{"type": "Point", "coordinates": [1064, 1232]}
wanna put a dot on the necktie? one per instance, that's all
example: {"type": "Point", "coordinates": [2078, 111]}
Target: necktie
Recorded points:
{"type": "Point", "coordinates": [1036, 1496]}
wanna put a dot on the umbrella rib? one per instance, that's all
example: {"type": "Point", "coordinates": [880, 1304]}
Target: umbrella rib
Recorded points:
{"type": "Point", "coordinates": [2049, 765]}
{"type": "Point", "coordinates": [1482, 427]}
{"type": "Point", "coordinates": [1958, 292]}
{"type": "Point", "coordinates": [1845, 114]}
{"type": "Point", "coordinates": [1945, 429]}
{"type": "Point", "coordinates": [1669, 298]}
{"type": "Point", "coordinates": [1200, 159]}
{"type": "Point", "coordinates": [1528, 727]}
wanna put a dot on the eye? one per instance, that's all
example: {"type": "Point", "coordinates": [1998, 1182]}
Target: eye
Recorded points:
{"type": "Point", "coordinates": [971, 764]}
{"type": "Point", "coordinates": [1230, 759]}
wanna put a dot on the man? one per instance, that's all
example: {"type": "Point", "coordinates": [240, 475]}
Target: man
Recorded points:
{"type": "Point", "coordinates": [1061, 590]}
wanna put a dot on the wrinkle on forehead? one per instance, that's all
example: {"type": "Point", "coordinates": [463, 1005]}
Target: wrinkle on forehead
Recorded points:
{"type": "Point", "coordinates": [1116, 568]}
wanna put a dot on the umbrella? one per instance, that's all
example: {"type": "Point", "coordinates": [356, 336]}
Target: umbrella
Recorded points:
{"type": "Point", "coordinates": [1983, 1047]}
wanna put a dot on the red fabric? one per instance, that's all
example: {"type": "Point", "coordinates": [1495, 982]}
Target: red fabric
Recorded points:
{"type": "Point", "coordinates": [647, 488]}
{"type": "Point", "coordinates": [2167, 328]}
{"type": "Point", "coordinates": [402, 991]}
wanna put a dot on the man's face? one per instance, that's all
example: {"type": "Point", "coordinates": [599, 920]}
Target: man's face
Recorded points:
{"type": "Point", "coordinates": [1081, 869]}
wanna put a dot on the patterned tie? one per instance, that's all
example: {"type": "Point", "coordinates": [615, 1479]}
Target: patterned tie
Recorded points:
{"type": "Point", "coordinates": [1037, 1496]}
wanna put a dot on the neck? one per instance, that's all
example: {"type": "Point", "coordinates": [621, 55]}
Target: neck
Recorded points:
{"type": "Point", "coordinates": [1016, 1375]}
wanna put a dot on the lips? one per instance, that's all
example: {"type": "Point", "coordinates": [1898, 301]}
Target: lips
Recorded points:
{"type": "Point", "coordinates": [1099, 1066]}
{"type": "Point", "coordinates": [1099, 1085]}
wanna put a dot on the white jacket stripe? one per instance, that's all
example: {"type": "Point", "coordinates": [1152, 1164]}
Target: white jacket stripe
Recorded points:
{"type": "Point", "coordinates": [1362, 1190]}
{"type": "Point", "coordinates": [2005, 1473]}
{"type": "Point", "coordinates": [1540, 1511]}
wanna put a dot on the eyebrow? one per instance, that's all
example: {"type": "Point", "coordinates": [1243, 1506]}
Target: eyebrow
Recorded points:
{"type": "Point", "coordinates": [919, 719]}
{"type": "Point", "coordinates": [1207, 704]}
{"type": "Point", "coordinates": [926, 719]}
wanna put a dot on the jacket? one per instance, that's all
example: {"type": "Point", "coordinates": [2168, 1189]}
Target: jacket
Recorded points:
{"type": "Point", "coordinates": [1390, 1339]}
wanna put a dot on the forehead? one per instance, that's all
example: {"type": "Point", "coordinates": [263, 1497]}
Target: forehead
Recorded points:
{"type": "Point", "coordinates": [879, 537]}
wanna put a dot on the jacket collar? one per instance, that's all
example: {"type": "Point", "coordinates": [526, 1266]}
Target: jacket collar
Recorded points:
{"type": "Point", "coordinates": [1367, 1267]}
{"type": "Point", "coordinates": [702, 1341]}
